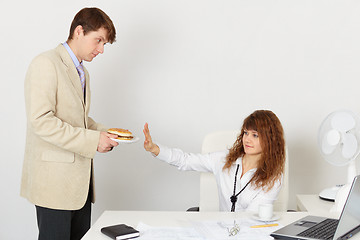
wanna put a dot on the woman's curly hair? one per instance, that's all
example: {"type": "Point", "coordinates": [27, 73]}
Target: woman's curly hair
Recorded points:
{"type": "Point", "coordinates": [271, 136]}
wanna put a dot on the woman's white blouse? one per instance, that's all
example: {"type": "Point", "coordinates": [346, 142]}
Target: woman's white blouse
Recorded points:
{"type": "Point", "coordinates": [248, 200]}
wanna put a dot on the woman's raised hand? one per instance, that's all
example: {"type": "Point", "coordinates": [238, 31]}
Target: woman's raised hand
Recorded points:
{"type": "Point", "coordinates": [148, 143]}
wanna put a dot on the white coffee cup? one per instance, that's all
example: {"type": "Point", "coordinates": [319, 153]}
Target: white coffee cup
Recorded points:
{"type": "Point", "coordinates": [265, 211]}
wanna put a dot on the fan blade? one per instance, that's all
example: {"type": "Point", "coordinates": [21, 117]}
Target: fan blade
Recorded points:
{"type": "Point", "coordinates": [350, 145]}
{"type": "Point", "coordinates": [333, 137]}
{"type": "Point", "coordinates": [326, 147]}
{"type": "Point", "coordinates": [343, 121]}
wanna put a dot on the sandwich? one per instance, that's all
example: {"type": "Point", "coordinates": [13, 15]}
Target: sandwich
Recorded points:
{"type": "Point", "coordinates": [122, 134]}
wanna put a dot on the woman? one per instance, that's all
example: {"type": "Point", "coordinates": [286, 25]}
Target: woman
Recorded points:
{"type": "Point", "coordinates": [248, 174]}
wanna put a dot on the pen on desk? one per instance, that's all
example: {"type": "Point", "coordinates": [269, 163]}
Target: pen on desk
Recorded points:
{"type": "Point", "coordinates": [265, 225]}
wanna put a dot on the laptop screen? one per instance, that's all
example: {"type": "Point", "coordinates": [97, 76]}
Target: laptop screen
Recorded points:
{"type": "Point", "coordinates": [350, 216]}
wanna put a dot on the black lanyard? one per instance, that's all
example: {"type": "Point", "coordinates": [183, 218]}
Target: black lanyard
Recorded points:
{"type": "Point", "coordinates": [233, 198]}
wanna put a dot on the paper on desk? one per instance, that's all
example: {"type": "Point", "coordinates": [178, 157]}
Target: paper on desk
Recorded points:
{"type": "Point", "coordinates": [214, 230]}
{"type": "Point", "coordinates": [208, 230]}
{"type": "Point", "coordinates": [167, 233]}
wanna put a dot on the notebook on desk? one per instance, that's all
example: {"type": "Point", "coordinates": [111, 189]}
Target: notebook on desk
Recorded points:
{"type": "Point", "coordinates": [314, 227]}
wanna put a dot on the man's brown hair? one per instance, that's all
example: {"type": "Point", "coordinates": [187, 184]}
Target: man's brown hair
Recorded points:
{"type": "Point", "coordinates": [91, 19]}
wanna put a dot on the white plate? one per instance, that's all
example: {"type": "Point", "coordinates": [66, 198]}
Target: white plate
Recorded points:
{"type": "Point", "coordinates": [134, 139]}
{"type": "Point", "coordinates": [274, 218]}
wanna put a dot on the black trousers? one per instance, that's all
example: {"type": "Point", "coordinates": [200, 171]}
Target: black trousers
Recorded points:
{"type": "Point", "coordinates": [63, 224]}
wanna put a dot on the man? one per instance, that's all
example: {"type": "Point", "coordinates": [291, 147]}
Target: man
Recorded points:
{"type": "Point", "coordinates": [61, 139]}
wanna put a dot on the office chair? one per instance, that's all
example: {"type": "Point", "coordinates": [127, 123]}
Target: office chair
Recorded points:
{"type": "Point", "coordinates": [209, 199]}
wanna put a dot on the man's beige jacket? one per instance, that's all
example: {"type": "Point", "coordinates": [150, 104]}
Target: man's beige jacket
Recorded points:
{"type": "Point", "coordinates": [61, 139]}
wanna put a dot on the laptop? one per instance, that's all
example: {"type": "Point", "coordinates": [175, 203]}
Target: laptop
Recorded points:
{"type": "Point", "coordinates": [310, 227]}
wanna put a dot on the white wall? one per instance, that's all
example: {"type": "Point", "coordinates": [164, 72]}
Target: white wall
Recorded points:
{"type": "Point", "coordinates": [188, 68]}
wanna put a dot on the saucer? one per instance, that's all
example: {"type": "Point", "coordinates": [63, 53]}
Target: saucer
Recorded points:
{"type": "Point", "coordinates": [274, 218]}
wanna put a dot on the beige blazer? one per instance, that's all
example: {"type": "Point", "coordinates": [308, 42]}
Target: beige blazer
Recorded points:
{"type": "Point", "coordinates": [61, 139]}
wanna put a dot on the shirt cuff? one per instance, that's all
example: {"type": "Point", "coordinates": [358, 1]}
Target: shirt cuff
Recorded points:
{"type": "Point", "coordinates": [164, 154]}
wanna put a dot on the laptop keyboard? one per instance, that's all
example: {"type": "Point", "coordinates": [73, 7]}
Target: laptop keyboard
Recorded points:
{"type": "Point", "coordinates": [323, 230]}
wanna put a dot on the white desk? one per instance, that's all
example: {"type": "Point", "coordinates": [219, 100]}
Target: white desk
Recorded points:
{"type": "Point", "coordinates": [315, 205]}
{"type": "Point", "coordinates": [172, 219]}
{"type": "Point", "coordinates": [178, 219]}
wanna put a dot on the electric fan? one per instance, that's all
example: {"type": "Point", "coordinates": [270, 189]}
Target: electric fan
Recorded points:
{"type": "Point", "coordinates": [339, 142]}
